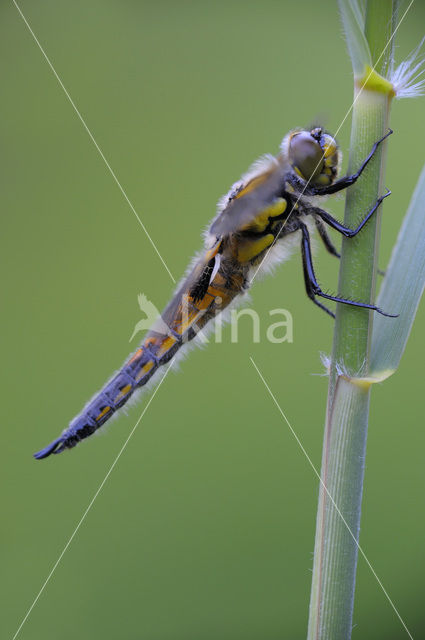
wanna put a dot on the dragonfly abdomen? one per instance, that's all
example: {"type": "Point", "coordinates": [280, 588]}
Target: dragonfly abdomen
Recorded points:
{"type": "Point", "coordinates": [181, 321]}
{"type": "Point", "coordinates": [134, 374]}
{"type": "Point", "coordinates": [155, 351]}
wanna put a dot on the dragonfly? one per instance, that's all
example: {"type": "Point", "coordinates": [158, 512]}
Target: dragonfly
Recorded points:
{"type": "Point", "coordinates": [271, 209]}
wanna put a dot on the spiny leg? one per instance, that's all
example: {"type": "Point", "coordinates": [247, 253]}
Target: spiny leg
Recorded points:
{"type": "Point", "coordinates": [312, 286]}
{"type": "Point", "coordinates": [341, 228]}
{"type": "Point", "coordinates": [346, 181]}
{"type": "Point", "coordinates": [309, 275]}
{"type": "Point", "coordinates": [330, 247]}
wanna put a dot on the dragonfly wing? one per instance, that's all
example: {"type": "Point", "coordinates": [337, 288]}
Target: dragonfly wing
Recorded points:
{"type": "Point", "coordinates": [189, 297]}
{"type": "Point", "coordinates": [249, 199]}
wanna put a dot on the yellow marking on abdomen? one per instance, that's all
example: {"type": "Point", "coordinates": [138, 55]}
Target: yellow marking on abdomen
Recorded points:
{"type": "Point", "coordinates": [185, 317]}
{"type": "Point", "coordinates": [145, 369]}
{"type": "Point", "coordinates": [103, 413]}
{"type": "Point", "coordinates": [135, 356]}
{"type": "Point", "coordinates": [204, 303]}
{"type": "Point", "coordinates": [190, 312]}
{"type": "Point", "coordinates": [166, 345]}
{"type": "Point", "coordinates": [123, 393]}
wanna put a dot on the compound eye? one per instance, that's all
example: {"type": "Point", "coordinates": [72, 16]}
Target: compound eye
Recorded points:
{"type": "Point", "coordinates": [306, 155]}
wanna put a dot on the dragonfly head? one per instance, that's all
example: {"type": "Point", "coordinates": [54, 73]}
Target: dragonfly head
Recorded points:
{"type": "Point", "coordinates": [314, 155]}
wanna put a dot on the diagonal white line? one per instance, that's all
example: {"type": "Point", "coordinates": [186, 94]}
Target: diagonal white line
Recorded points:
{"type": "Point", "coordinates": [336, 133]}
{"type": "Point", "coordinates": [330, 497]}
{"type": "Point", "coordinates": [94, 142]}
{"type": "Point", "coordinates": [91, 504]}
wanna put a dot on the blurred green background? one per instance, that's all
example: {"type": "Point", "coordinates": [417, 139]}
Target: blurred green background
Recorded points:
{"type": "Point", "coordinates": [205, 528]}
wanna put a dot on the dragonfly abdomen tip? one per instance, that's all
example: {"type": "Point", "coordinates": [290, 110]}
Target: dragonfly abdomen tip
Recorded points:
{"type": "Point", "coordinates": [53, 447]}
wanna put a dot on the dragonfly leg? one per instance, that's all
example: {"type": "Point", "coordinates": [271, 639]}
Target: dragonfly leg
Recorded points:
{"type": "Point", "coordinates": [341, 228]}
{"type": "Point", "coordinates": [312, 286]}
{"type": "Point", "coordinates": [329, 244]}
{"type": "Point", "coordinates": [330, 247]}
{"type": "Point", "coordinates": [310, 281]}
{"type": "Point", "coordinates": [348, 180]}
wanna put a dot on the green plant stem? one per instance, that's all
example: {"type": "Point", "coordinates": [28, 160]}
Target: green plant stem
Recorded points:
{"type": "Point", "coordinates": [344, 448]}
{"type": "Point", "coordinates": [357, 277]}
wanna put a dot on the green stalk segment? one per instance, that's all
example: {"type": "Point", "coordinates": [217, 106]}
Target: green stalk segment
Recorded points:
{"type": "Point", "coordinates": [338, 518]}
{"type": "Point", "coordinates": [344, 448]}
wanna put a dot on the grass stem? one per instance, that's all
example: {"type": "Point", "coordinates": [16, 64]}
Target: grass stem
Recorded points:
{"type": "Point", "coordinates": [344, 448]}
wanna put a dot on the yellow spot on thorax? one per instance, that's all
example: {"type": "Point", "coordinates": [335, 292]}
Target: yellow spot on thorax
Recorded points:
{"type": "Point", "coordinates": [261, 221]}
{"type": "Point", "coordinates": [250, 248]}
